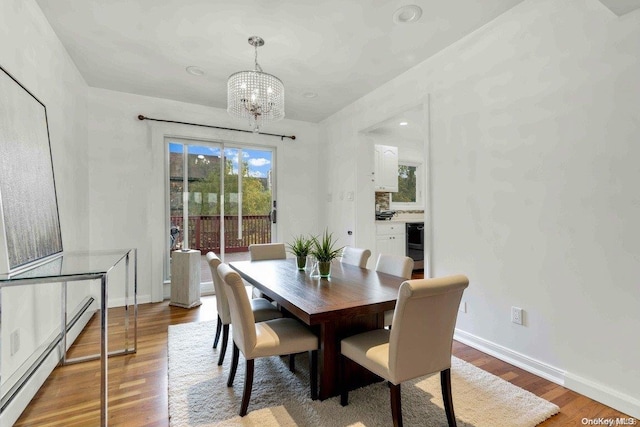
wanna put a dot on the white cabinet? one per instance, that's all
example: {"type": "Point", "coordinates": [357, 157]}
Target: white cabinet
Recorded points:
{"type": "Point", "coordinates": [386, 168]}
{"type": "Point", "coordinates": [390, 238]}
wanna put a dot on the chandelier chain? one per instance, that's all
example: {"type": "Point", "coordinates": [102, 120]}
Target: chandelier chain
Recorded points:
{"type": "Point", "coordinates": [257, 66]}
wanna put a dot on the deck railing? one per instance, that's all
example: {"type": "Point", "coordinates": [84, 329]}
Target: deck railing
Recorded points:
{"type": "Point", "coordinates": [204, 232]}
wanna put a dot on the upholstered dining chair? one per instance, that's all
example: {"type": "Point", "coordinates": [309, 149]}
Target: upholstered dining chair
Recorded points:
{"type": "Point", "coordinates": [396, 265]}
{"type": "Point", "coordinates": [263, 251]}
{"type": "Point", "coordinates": [418, 344]}
{"type": "Point", "coordinates": [355, 256]}
{"type": "Point", "coordinates": [261, 308]}
{"type": "Point", "coordinates": [271, 338]}
{"type": "Point", "coordinates": [266, 251]}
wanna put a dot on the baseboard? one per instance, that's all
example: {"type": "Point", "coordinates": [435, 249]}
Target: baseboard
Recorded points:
{"type": "Point", "coordinates": [603, 394]}
{"type": "Point", "coordinates": [23, 396]}
{"type": "Point", "coordinates": [119, 302]}
{"type": "Point", "coordinates": [527, 363]}
{"type": "Point", "coordinates": [596, 391]}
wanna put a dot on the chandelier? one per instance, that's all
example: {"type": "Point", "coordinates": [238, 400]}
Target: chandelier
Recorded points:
{"type": "Point", "coordinates": [255, 95]}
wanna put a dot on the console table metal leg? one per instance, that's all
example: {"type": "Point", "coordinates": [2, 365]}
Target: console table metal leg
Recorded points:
{"type": "Point", "coordinates": [63, 321]}
{"type": "Point", "coordinates": [126, 304]}
{"type": "Point", "coordinates": [104, 351]}
{"type": "Point", "coordinates": [135, 299]}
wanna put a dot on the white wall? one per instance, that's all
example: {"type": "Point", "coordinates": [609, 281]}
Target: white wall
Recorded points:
{"type": "Point", "coordinates": [31, 52]}
{"type": "Point", "coordinates": [127, 174]}
{"type": "Point", "coordinates": [534, 167]}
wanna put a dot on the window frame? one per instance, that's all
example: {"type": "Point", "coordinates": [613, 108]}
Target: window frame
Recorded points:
{"type": "Point", "coordinates": [419, 203]}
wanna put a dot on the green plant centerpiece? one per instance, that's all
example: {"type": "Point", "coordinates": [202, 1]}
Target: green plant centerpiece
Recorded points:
{"type": "Point", "coordinates": [324, 251]}
{"type": "Point", "coordinates": [300, 247]}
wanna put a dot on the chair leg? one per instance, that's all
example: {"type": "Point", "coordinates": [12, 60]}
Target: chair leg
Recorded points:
{"type": "Point", "coordinates": [225, 340]}
{"type": "Point", "coordinates": [248, 385]}
{"type": "Point", "coordinates": [396, 405]}
{"type": "Point", "coordinates": [344, 390]}
{"type": "Point", "coordinates": [292, 362]}
{"type": "Point", "coordinates": [313, 373]}
{"type": "Point", "coordinates": [218, 329]}
{"type": "Point", "coordinates": [234, 365]}
{"type": "Point", "coordinates": [445, 382]}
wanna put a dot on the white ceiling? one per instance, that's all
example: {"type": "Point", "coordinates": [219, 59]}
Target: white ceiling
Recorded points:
{"type": "Point", "coordinates": [338, 49]}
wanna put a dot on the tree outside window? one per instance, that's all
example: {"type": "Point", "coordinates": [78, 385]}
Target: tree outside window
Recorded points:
{"type": "Point", "coordinates": [409, 195]}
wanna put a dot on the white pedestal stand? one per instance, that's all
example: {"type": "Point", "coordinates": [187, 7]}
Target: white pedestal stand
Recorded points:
{"type": "Point", "coordinates": [185, 278]}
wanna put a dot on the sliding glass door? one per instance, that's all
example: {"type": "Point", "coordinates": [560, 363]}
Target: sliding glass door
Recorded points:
{"type": "Point", "coordinates": [220, 199]}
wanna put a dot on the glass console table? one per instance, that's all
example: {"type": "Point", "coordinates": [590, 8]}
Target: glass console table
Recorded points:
{"type": "Point", "coordinates": [82, 266]}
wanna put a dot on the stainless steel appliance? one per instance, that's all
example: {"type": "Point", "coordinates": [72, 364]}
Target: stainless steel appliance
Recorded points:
{"type": "Point", "coordinates": [415, 244]}
{"type": "Point", "coordinates": [385, 215]}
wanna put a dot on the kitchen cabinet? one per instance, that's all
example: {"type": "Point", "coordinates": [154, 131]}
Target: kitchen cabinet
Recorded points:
{"type": "Point", "coordinates": [386, 168]}
{"type": "Point", "coordinates": [390, 238]}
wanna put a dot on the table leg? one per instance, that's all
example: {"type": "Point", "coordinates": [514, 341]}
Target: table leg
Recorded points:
{"type": "Point", "coordinates": [328, 363]}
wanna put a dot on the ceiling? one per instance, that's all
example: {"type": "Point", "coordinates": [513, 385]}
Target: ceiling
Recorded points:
{"type": "Point", "coordinates": [338, 50]}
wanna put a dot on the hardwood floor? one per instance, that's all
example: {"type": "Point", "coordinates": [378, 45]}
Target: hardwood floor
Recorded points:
{"type": "Point", "coordinates": [138, 383]}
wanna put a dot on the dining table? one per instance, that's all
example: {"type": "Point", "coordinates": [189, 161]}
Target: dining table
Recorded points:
{"type": "Point", "coordinates": [352, 300]}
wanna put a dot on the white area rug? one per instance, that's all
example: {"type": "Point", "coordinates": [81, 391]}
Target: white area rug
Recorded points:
{"type": "Point", "coordinates": [199, 396]}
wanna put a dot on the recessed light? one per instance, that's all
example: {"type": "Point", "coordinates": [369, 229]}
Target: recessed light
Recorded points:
{"type": "Point", "coordinates": [403, 123]}
{"type": "Point", "coordinates": [195, 71]}
{"type": "Point", "coordinates": [310, 95]}
{"type": "Point", "coordinates": [407, 14]}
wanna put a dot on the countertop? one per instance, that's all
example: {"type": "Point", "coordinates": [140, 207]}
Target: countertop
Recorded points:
{"type": "Point", "coordinates": [402, 219]}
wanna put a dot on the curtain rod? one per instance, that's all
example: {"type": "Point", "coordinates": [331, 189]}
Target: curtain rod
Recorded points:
{"type": "Point", "coordinates": [141, 117]}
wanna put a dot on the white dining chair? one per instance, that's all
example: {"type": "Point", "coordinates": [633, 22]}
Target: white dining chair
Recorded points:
{"type": "Point", "coordinates": [265, 251]}
{"type": "Point", "coordinates": [261, 308]}
{"type": "Point", "coordinates": [355, 256]}
{"type": "Point", "coordinates": [396, 265]}
{"type": "Point", "coordinates": [271, 338]}
{"type": "Point", "coordinates": [418, 344]}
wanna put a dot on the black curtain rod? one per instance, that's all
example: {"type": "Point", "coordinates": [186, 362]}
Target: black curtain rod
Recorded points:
{"type": "Point", "coordinates": [141, 117]}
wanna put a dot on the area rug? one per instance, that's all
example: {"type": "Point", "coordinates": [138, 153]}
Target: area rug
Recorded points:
{"type": "Point", "coordinates": [199, 396]}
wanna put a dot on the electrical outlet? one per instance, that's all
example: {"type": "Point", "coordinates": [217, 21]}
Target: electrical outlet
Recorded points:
{"type": "Point", "coordinates": [516, 315]}
{"type": "Point", "coordinates": [463, 307]}
{"type": "Point", "coordinates": [15, 341]}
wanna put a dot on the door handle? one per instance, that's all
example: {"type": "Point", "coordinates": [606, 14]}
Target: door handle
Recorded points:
{"type": "Point", "coordinates": [274, 216]}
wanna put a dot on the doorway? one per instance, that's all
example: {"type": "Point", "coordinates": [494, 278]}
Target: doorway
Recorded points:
{"type": "Point", "coordinates": [220, 198]}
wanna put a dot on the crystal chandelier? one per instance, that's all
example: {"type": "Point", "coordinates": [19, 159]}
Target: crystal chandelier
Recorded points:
{"type": "Point", "coordinates": [255, 95]}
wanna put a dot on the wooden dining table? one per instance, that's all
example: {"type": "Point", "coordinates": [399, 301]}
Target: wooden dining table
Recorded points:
{"type": "Point", "coordinates": [350, 301]}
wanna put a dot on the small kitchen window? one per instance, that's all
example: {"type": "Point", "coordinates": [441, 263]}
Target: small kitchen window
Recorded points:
{"type": "Point", "coordinates": [409, 195]}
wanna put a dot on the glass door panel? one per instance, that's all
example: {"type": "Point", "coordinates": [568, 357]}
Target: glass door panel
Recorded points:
{"type": "Point", "coordinates": [176, 188]}
{"type": "Point", "coordinates": [194, 200]}
{"type": "Point", "coordinates": [248, 199]}
{"type": "Point", "coordinates": [204, 206]}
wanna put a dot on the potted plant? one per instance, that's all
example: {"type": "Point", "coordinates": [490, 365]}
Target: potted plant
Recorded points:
{"type": "Point", "coordinates": [300, 247]}
{"type": "Point", "coordinates": [324, 252]}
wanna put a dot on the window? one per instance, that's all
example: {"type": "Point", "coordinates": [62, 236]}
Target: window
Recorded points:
{"type": "Point", "coordinates": [409, 195]}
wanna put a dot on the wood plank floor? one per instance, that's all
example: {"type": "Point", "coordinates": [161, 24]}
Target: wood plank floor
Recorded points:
{"type": "Point", "coordinates": [138, 383]}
